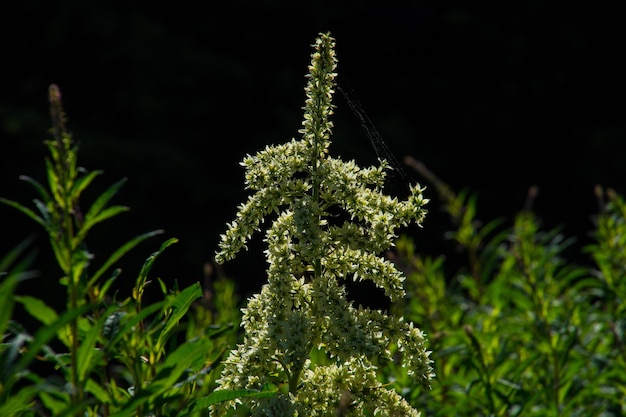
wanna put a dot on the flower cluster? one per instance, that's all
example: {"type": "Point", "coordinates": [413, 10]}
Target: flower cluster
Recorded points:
{"type": "Point", "coordinates": [301, 331]}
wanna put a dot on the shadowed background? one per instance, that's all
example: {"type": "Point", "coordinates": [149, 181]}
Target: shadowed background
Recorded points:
{"type": "Point", "coordinates": [492, 97]}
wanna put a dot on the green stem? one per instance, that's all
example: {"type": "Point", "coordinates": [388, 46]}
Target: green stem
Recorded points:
{"type": "Point", "coordinates": [68, 237]}
{"type": "Point", "coordinates": [556, 382]}
{"type": "Point", "coordinates": [77, 392]}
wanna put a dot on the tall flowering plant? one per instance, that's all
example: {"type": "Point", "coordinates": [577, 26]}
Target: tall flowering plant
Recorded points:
{"type": "Point", "coordinates": [302, 334]}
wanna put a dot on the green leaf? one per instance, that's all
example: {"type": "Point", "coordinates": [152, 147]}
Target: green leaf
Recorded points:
{"type": "Point", "coordinates": [11, 258]}
{"type": "Point", "coordinates": [199, 367]}
{"type": "Point", "coordinates": [128, 409]}
{"type": "Point", "coordinates": [76, 409]}
{"type": "Point", "coordinates": [7, 287]}
{"type": "Point", "coordinates": [202, 404]}
{"type": "Point", "coordinates": [38, 309]}
{"type": "Point", "coordinates": [180, 305]}
{"type": "Point", "coordinates": [38, 186]}
{"type": "Point", "coordinates": [83, 182]}
{"type": "Point", "coordinates": [217, 330]}
{"type": "Point", "coordinates": [92, 220]}
{"type": "Point", "coordinates": [41, 338]}
{"type": "Point", "coordinates": [119, 253]}
{"type": "Point", "coordinates": [219, 396]}
{"type": "Point", "coordinates": [56, 403]}
{"type": "Point", "coordinates": [132, 322]}
{"type": "Point", "coordinates": [16, 274]}
{"type": "Point", "coordinates": [101, 394]}
{"type": "Point", "coordinates": [477, 348]}
{"type": "Point", "coordinates": [10, 352]}
{"type": "Point", "coordinates": [112, 324]}
{"type": "Point", "coordinates": [97, 212]}
{"type": "Point", "coordinates": [98, 205]}
{"type": "Point", "coordinates": [104, 289]}
{"type": "Point", "coordinates": [88, 355]}
{"type": "Point", "coordinates": [147, 265]}
{"type": "Point", "coordinates": [18, 402]}
{"type": "Point", "coordinates": [30, 213]}
{"type": "Point", "coordinates": [190, 354]}
{"type": "Point", "coordinates": [45, 215]}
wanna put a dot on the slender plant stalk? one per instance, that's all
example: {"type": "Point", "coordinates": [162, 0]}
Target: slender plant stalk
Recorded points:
{"type": "Point", "coordinates": [63, 165]}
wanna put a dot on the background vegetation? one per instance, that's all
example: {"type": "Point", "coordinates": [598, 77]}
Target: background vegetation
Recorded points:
{"type": "Point", "coordinates": [495, 97]}
{"type": "Point", "coordinates": [517, 329]}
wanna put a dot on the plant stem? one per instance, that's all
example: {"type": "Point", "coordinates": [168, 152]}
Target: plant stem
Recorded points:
{"type": "Point", "coordinates": [63, 161]}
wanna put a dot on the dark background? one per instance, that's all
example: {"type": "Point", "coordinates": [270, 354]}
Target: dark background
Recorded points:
{"type": "Point", "coordinates": [492, 96]}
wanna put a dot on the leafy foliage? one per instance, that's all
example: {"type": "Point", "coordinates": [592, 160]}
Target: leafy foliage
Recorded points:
{"type": "Point", "coordinates": [111, 357]}
{"type": "Point", "coordinates": [518, 330]}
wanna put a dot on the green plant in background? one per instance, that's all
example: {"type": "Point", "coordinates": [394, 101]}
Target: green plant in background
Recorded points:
{"type": "Point", "coordinates": [302, 335]}
{"type": "Point", "coordinates": [14, 270]}
{"type": "Point", "coordinates": [519, 330]}
{"type": "Point", "coordinates": [609, 301]}
{"type": "Point", "coordinates": [119, 357]}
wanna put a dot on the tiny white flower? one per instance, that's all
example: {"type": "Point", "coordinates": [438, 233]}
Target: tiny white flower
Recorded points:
{"type": "Point", "coordinates": [303, 308]}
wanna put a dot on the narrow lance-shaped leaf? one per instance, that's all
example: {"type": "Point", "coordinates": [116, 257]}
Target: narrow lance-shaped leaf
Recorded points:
{"type": "Point", "coordinates": [82, 183]}
{"type": "Point", "coordinates": [45, 196]}
{"type": "Point", "coordinates": [103, 199]}
{"type": "Point", "coordinates": [180, 305]}
{"type": "Point", "coordinates": [48, 218]}
{"type": "Point", "coordinates": [216, 397]}
{"type": "Point", "coordinates": [7, 286]}
{"type": "Point", "coordinates": [43, 336]}
{"type": "Point", "coordinates": [147, 266]}
{"type": "Point", "coordinates": [88, 354]}
{"type": "Point", "coordinates": [13, 255]}
{"type": "Point", "coordinates": [188, 356]}
{"type": "Point", "coordinates": [103, 289]}
{"type": "Point", "coordinates": [132, 322]}
{"type": "Point", "coordinates": [10, 280]}
{"type": "Point", "coordinates": [95, 215]}
{"type": "Point", "coordinates": [92, 221]}
{"type": "Point", "coordinates": [28, 212]}
{"type": "Point", "coordinates": [19, 403]}
{"type": "Point", "coordinates": [38, 309]}
{"type": "Point", "coordinates": [119, 253]}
